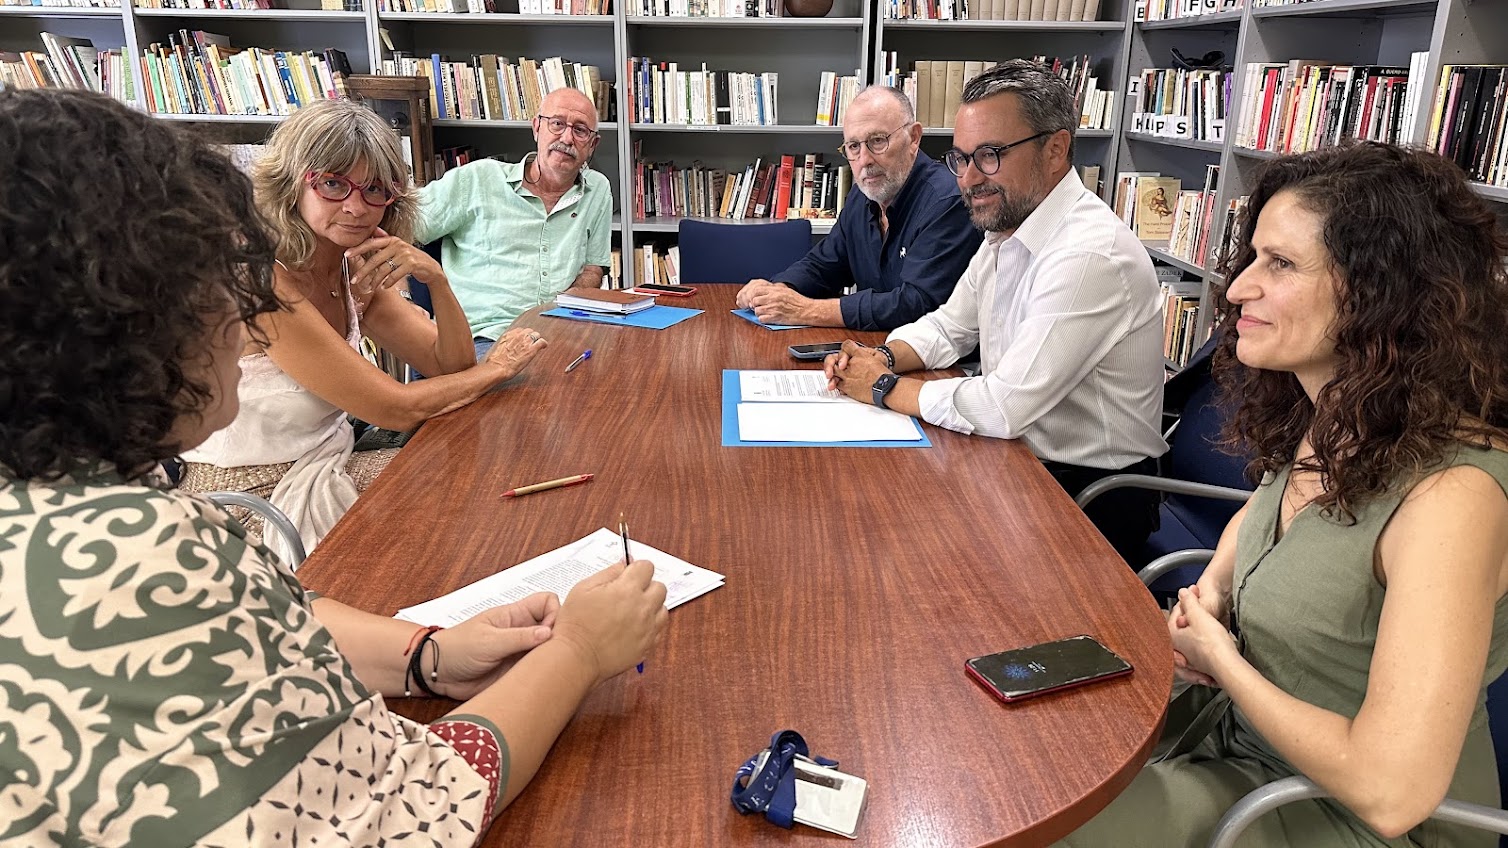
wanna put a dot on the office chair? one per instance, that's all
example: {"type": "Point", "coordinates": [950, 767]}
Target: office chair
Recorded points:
{"type": "Point", "coordinates": [737, 253]}
{"type": "Point", "coordinates": [1204, 486]}
{"type": "Point", "coordinates": [271, 517]}
{"type": "Point", "coordinates": [1266, 798]}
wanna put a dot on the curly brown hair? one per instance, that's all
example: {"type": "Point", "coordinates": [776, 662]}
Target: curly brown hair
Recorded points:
{"type": "Point", "coordinates": [1421, 327]}
{"type": "Point", "coordinates": [120, 235]}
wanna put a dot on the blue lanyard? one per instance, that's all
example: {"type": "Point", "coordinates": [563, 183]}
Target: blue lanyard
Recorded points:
{"type": "Point", "coordinates": [773, 790]}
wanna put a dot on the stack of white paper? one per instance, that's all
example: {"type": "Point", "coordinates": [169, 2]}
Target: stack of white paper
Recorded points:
{"type": "Point", "coordinates": [558, 571]}
{"type": "Point", "coordinates": [797, 406]}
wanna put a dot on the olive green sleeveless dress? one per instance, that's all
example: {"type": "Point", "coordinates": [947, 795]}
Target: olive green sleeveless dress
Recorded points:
{"type": "Point", "coordinates": [1308, 607]}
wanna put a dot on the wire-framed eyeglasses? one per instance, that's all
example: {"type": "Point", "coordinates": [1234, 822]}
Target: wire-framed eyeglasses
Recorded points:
{"type": "Point", "coordinates": [877, 144]}
{"type": "Point", "coordinates": [986, 157]}
{"type": "Point", "coordinates": [558, 126]}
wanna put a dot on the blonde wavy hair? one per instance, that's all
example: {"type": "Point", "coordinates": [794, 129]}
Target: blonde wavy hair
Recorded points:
{"type": "Point", "coordinates": [333, 136]}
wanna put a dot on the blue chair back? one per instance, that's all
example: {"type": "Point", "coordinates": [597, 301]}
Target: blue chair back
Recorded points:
{"type": "Point", "coordinates": [417, 290]}
{"type": "Point", "coordinates": [1194, 455]}
{"type": "Point", "coordinates": [737, 253]}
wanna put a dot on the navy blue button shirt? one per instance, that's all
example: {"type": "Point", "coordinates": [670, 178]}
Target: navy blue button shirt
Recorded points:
{"type": "Point", "coordinates": [903, 276]}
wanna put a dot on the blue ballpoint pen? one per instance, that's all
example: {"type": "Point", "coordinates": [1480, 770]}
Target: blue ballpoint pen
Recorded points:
{"type": "Point", "coordinates": [578, 360]}
{"type": "Point", "coordinates": [627, 560]}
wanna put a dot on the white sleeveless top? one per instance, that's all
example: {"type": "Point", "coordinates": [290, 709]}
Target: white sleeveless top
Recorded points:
{"type": "Point", "coordinates": [281, 421]}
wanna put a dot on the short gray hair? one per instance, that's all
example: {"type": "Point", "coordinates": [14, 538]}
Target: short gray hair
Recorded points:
{"type": "Point", "coordinates": [1046, 100]}
{"type": "Point", "coordinates": [908, 109]}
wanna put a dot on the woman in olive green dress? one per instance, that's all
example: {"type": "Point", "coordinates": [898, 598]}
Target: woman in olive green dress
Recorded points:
{"type": "Point", "coordinates": [1354, 612]}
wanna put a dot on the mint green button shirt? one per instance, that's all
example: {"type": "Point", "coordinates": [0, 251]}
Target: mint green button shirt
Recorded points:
{"type": "Point", "coordinates": [503, 254]}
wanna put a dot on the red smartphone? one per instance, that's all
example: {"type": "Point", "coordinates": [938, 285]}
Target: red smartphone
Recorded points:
{"type": "Point", "coordinates": [668, 291]}
{"type": "Point", "coordinates": [1025, 673]}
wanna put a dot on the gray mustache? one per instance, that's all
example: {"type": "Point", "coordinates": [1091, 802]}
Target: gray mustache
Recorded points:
{"type": "Point", "coordinates": [560, 147]}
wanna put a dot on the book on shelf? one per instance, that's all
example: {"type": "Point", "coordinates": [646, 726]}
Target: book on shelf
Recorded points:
{"type": "Point", "coordinates": [482, 7]}
{"type": "Point", "coordinates": [200, 73]}
{"type": "Point", "coordinates": [1178, 103]}
{"type": "Point", "coordinates": [1153, 215]}
{"type": "Point", "coordinates": [990, 10]}
{"type": "Point", "coordinates": [936, 87]}
{"type": "Point", "coordinates": [487, 87]}
{"type": "Point", "coordinates": [230, 4]}
{"type": "Point", "coordinates": [778, 188]}
{"type": "Point", "coordinates": [1089, 175]}
{"type": "Point", "coordinates": [65, 4]}
{"type": "Point", "coordinates": [604, 300]}
{"type": "Point", "coordinates": [1180, 313]}
{"type": "Point", "coordinates": [706, 8]}
{"type": "Point", "coordinates": [1469, 122]}
{"type": "Point", "coordinates": [663, 93]}
{"type": "Point", "coordinates": [67, 63]}
{"type": "Point", "coordinates": [1167, 10]}
{"type": "Point", "coordinates": [1306, 104]}
{"type": "Point", "coordinates": [834, 94]}
{"type": "Point", "coordinates": [1193, 220]}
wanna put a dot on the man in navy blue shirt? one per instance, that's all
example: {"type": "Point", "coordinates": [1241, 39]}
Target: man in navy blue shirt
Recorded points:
{"type": "Point", "coordinates": [903, 239]}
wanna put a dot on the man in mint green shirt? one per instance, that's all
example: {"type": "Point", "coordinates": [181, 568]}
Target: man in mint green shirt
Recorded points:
{"type": "Point", "coordinates": [517, 234]}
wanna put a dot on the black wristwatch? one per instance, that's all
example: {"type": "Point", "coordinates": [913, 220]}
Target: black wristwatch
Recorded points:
{"type": "Point", "coordinates": [883, 387]}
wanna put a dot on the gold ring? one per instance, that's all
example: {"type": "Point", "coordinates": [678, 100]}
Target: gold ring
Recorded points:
{"type": "Point", "coordinates": [392, 264]}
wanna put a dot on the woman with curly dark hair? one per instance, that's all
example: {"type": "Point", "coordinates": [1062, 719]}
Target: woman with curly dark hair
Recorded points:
{"type": "Point", "coordinates": [162, 680]}
{"type": "Point", "coordinates": [335, 189]}
{"type": "Point", "coordinates": [1354, 612]}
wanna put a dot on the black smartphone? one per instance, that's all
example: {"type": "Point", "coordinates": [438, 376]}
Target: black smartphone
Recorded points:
{"type": "Point", "coordinates": [815, 351]}
{"type": "Point", "coordinates": [1026, 672]}
{"type": "Point", "coordinates": [673, 291]}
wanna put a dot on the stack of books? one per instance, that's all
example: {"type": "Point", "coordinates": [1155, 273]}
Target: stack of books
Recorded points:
{"type": "Point", "coordinates": [1194, 220]}
{"type": "Point", "coordinates": [990, 10]}
{"type": "Point", "coordinates": [69, 63]}
{"type": "Point", "coordinates": [834, 93]}
{"type": "Point", "coordinates": [1180, 315]}
{"type": "Point", "coordinates": [1176, 103]}
{"type": "Point", "coordinates": [654, 264]}
{"type": "Point", "coordinates": [1144, 200]}
{"type": "Point", "coordinates": [1166, 10]}
{"type": "Point", "coordinates": [936, 87]}
{"type": "Point", "coordinates": [493, 89]}
{"type": "Point", "coordinates": [1470, 121]}
{"type": "Point", "coordinates": [662, 93]}
{"type": "Point", "coordinates": [705, 8]}
{"type": "Point", "coordinates": [199, 73]}
{"type": "Point", "coordinates": [772, 189]}
{"type": "Point", "coordinates": [1307, 104]}
{"type": "Point", "coordinates": [604, 300]}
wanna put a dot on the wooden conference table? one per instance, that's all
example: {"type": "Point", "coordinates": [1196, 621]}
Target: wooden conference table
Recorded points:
{"type": "Point", "coordinates": [858, 582]}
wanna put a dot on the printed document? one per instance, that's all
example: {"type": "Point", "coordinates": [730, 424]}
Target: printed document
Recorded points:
{"type": "Point", "coordinates": [775, 386]}
{"type": "Point", "coordinates": [823, 422]}
{"type": "Point", "coordinates": [558, 571]}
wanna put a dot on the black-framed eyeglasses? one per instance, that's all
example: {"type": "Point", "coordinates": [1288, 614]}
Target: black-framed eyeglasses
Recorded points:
{"type": "Point", "coordinates": [558, 126]}
{"type": "Point", "coordinates": [986, 157]}
{"type": "Point", "coordinates": [877, 144]}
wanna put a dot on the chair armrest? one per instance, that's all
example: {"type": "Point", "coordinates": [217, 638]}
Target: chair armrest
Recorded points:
{"type": "Point", "coordinates": [1177, 559]}
{"type": "Point", "coordinates": [1264, 799]}
{"type": "Point", "coordinates": [1159, 484]}
{"type": "Point", "coordinates": [273, 517]}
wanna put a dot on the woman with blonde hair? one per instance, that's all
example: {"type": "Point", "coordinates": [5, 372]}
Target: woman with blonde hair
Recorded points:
{"type": "Point", "coordinates": [334, 187]}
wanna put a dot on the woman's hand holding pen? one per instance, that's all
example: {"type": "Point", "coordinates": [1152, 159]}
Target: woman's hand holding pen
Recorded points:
{"type": "Point", "coordinates": [613, 618]}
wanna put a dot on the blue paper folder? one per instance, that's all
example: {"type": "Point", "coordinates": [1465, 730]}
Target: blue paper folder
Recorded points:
{"type": "Point", "coordinates": [748, 315]}
{"type": "Point", "coordinates": [654, 318]}
{"type": "Point", "coordinates": [733, 393]}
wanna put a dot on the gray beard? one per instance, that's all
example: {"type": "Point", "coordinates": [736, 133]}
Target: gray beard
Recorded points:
{"type": "Point", "coordinates": [887, 190]}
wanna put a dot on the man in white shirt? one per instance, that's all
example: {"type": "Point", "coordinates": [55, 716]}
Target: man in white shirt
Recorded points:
{"type": "Point", "coordinates": [1061, 299]}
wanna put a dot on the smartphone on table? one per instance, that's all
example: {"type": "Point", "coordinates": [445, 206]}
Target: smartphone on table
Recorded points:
{"type": "Point", "coordinates": [668, 291]}
{"type": "Point", "coordinates": [1025, 673]}
{"type": "Point", "coordinates": [816, 351]}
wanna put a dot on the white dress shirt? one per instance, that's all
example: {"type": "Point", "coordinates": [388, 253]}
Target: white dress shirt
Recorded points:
{"type": "Point", "coordinates": [1066, 316]}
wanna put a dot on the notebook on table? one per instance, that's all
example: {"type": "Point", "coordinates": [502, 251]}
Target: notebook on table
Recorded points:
{"type": "Point", "coordinates": [605, 300]}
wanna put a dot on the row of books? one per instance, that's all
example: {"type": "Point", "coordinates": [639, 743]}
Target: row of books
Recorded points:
{"type": "Point", "coordinates": [69, 63]}
{"type": "Point", "coordinates": [794, 186]}
{"type": "Point", "coordinates": [1144, 200]}
{"type": "Point", "coordinates": [1307, 104]}
{"type": "Point", "coordinates": [936, 87]}
{"type": "Point", "coordinates": [1180, 315]}
{"type": "Point", "coordinates": [226, 4]}
{"type": "Point", "coordinates": [991, 10]}
{"type": "Point", "coordinates": [65, 4]}
{"type": "Point", "coordinates": [654, 264]}
{"type": "Point", "coordinates": [1177, 103]}
{"type": "Point", "coordinates": [493, 89]}
{"type": "Point", "coordinates": [834, 93]}
{"type": "Point", "coordinates": [662, 93]}
{"type": "Point", "coordinates": [482, 7]}
{"type": "Point", "coordinates": [1470, 120]}
{"type": "Point", "coordinates": [201, 73]}
{"type": "Point", "coordinates": [705, 9]}
{"type": "Point", "coordinates": [1193, 229]}
{"type": "Point", "coordinates": [1167, 10]}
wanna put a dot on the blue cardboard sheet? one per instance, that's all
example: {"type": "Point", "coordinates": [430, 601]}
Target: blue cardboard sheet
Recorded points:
{"type": "Point", "coordinates": [654, 318]}
{"type": "Point", "coordinates": [748, 315]}
{"type": "Point", "coordinates": [732, 394]}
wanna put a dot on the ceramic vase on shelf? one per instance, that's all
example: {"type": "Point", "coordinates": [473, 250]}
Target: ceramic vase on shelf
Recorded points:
{"type": "Point", "coordinates": [808, 8]}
